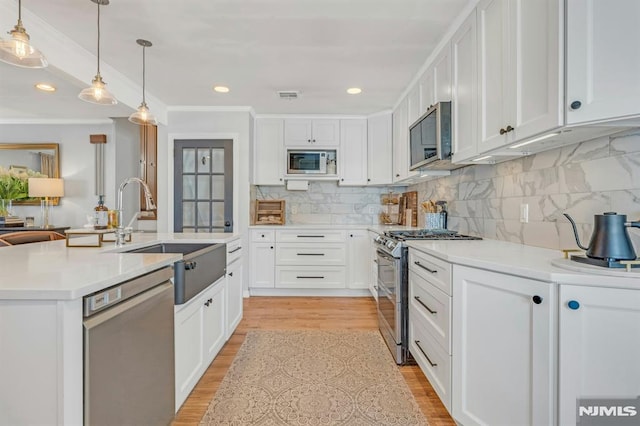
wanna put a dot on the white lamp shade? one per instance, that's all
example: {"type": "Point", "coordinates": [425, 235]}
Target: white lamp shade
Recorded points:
{"type": "Point", "coordinates": [46, 187]}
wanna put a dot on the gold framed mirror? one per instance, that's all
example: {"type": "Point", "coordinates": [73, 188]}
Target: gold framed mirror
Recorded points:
{"type": "Point", "coordinates": [30, 159]}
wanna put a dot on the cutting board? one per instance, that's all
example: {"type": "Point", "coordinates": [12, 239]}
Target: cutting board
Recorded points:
{"type": "Point", "coordinates": [409, 202]}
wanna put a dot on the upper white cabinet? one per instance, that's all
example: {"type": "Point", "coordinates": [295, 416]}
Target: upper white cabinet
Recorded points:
{"type": "Point", "coordinates": [268, 152]}
{"type": "Point", "coordinates": [464, 90]}
{"type": "Point", "coordinates": [380, 150]}
{"type": "Point", "coordinates": [303, 132]}
{"type": "Point", "coordinates": [603, 65]}
{"type": "Point", "coordinates": [503, 349]}
{"type": "Point", "coordinates": [435, 84]}
{"type": "Point", "coordinates": [519, 68]}
{"type": "Point", "coordinates": [352, 161]}
{"type": "Point", "coordinates": [599, 346]}
{"type": "Point", "coordinates": [413, 105]}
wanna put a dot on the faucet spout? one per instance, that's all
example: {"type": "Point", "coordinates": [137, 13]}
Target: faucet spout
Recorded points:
{"type": "Point", "coordinates": [150, 205]}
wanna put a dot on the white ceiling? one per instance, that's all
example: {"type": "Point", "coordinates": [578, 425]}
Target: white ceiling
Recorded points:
{"type": "Point", "coordinates": [255, 47]}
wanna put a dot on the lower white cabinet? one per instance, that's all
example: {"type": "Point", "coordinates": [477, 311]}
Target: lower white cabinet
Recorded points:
{"type": "Point", "coordinates": [262, 272]}
{"type": "Point", "coordinates": [234, 297]}
{"type": "Point", "coordinates": [199, 336]}
{"type": "Point", "coordinates": [310, 277]}
{"type": "Point", "coordinates": [599, 346]}
{"type": "Point", "coordinates": [503, 349]}
{"type": "Point", "coordinates": [373, 265]}
{"type": "Point", "coordinates": [357, 259]}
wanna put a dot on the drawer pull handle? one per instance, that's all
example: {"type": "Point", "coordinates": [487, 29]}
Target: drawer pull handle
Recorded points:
{"type": "Point", "coordinates": [425, 306]}
{"type": "Point", "coordinates": [319, 277]}
{"type": "Point", "coordinates": [433, 271]}
{"type": "Point", "coordinates": [208, 302]}
{"type": "Point", "coordinates": [424, 353]}
{"type": "Point", "coordinates": [235, 250]}
{"type": "Point", "coordinates": [310, 236]}
{"type": "Point", "coordinates": [310, 254]}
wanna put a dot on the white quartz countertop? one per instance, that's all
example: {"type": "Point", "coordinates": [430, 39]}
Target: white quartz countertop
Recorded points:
{"type": "Point", "coordinates": [526, 261]}
{"type": "Point", "coordinates": [374, 228]}
{"type": "Point", "coordinates": [52, 271]}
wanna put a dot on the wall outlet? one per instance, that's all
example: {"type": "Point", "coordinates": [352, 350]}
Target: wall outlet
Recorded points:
{"type": "Point", "coordinates": [524, 213]}
{"type": "Point", "coordinates": [294, 209]}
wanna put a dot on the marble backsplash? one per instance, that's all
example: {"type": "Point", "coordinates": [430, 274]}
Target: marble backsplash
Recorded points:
{"type": "Point", "coordinates": [326, 203]}
{"type": "Point", "coordinates": [585, 179]}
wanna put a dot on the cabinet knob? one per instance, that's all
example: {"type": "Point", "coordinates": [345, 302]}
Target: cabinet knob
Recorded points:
{"type": "Point", "coordinates": [309, 140]}
{"type": "Point", "coordinates": [537, 299]}
{"type": "Point", "coordinates": [575, 105]}
{"type": "Point", "coordinates": [314, 141]}
{"type": "Point", "coordinates": [573, 304]}
{"type": "Point", "coordinates": [503, 131]}
{"type": "Point", "coordinates": [397, 175]}
{"type": "Point", "coordinates": [351, 235]}
{"type": "Point", "coordinates": [341, 180]}
{"type": "Point", "coordinates": [262, 235]}
{"type": "Point", "coordinates": [230, 274]}
{"type": "Point", "coordinates": [368, 180]}
{"type": "Point", "coordinates": [510, 129]}
{"type": "Point", "coordinates": [280, 179]}
{"type": "Point", "coordinates": [271, 247]}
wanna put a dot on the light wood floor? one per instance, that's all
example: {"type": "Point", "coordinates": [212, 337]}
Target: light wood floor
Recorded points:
{"type": "Point", "coordinates": [282, 313]}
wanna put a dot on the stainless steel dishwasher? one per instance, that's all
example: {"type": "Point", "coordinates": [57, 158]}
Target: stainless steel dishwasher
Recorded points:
{"type": "Point", "coordinates": [128, 352]}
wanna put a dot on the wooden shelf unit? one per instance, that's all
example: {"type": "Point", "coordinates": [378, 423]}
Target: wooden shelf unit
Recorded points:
{"type": "Point", "coordinates": [270, 212]}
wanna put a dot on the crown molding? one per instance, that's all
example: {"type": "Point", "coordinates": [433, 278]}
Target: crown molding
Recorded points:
{"type": "Point", "coordinates": [210, 108]}
{"type": "Point", "coordinates": [61, 121]}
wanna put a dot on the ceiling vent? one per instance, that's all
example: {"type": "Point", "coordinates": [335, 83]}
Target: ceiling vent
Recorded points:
{"type": "Point", "coordinates": [288, 94]}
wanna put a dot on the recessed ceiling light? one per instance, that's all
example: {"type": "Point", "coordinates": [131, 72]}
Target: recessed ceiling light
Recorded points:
{"type": "Point", "coordinates": [354, 90]}
{"type": "Point", "coordinates": [221, 89]}
{"type": "Point", "coordinates": [45, 87]}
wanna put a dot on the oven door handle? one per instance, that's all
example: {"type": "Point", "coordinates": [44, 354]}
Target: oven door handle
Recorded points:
{"type": "Point", "coordinates": [386, 292]}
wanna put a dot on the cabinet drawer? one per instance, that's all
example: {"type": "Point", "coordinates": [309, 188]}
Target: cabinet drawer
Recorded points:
{"type": "Point", "coordinates": [434, 362]}
{"type": "Point", "coordinates": [310, 277]}
{"type": "Point", "coordinates": [431, 308]}
{"type": "Point", "coordinates": [263, 235]}
{"type": "Point", "coordinates": [310, 254]}
{"type": "Point", "coordinates": [435, 271]}
{"type": "Point", "coordinates": [234, 250]}
{"type": "Point", "coordinates": [311, 236]}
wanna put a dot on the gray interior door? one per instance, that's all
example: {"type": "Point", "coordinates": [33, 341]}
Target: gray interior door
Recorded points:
{"type": "Point", "coordinates": [203, 186]}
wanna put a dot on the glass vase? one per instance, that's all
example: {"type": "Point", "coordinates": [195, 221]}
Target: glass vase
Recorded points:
{"type": "Point", "coordinates": [6, 209]}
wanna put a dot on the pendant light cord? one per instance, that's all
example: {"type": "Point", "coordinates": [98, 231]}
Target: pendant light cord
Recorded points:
{"type": "Point", "coordinates": [19, 10]}
{"type": "Point", "coordinates": [143, 73]}
{"type": "Point", "coordinates": [98, 3]}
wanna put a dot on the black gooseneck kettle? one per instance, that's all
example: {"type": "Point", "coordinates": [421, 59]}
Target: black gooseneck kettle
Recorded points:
{"type": "Point", "coordinates": [610, 239]}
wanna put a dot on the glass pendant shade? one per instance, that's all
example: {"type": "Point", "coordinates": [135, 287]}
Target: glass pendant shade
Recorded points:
{"type": "Point", "coordinates": [143, 117]}
{"type": "Point", "coordinates": [97, 93]}
{"type": "Point", "coordinates": [18, 51]}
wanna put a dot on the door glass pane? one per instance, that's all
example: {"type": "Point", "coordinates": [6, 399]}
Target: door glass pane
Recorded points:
{"type": "Point", "coordinates": [188, 160]}
{"type": "Point", "coordinates": [217, 160]}
{"type": "Point", "coordinates": [204, 160]}
{"type": "Point", "coordinates": [188, 213]}
{"type": "Point", "coordinates": [218, 187]}
{"type": "Point", "coordinates": [188, 187]}
{"type": "Point", "coordinates": [188, 230]}
{"type": "Point", "coordinates": [203, 187]}
{"type": "Point", "coordinates": [203, 214]}
{"type": "Point", "coordinates": [218, 213]}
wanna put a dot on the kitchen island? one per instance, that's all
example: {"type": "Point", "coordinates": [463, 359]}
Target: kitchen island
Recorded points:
{"type": "Point", "coordinates": [41, 332]}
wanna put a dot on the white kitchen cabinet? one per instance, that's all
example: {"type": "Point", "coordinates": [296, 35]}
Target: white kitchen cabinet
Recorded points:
{"type": "Point", "coordinates": [268, 152]}
{"type": "Point", "coordinates": [380, 149]}
{"type": "Point", "coordinates": [357, 259]}
{"type": "Point", "coordinates": [305, 133]}
{"type": "Point", "coordinates": [599, 346]}
{"type": "Point", "coordinates": [401, 143]}
{"type": "Point", "coordinates": [199, 336]}
{"type": "Point", "coordinates": [352, 162]}
{"type": "Point", "coordinates": [234, 297]}
{"type": "Point", "coordinates": [373, 265]}
{"type": "Point", "coordinates": [503, 349]}
{"type": "Point", "coordinates": [317, 254]}
{"type": "Point", "coordinates": [520, 71]}
{"type": "Point", "coordinates": [603, 67]}
{"type": "Point", "coordinates": [464, 90]}
{"type": "Point", "coordinates": [435, 84]}
{"type": "Point", "coordinates": [262, 272]}
{"type": "Point", "coordinates": [413, 105]}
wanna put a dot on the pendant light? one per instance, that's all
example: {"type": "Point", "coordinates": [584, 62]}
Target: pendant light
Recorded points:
{"type": "Point", "coordinates": [17, 50]}
{"type": "Point", "coordinates": [97, 93]}
{"type": "Point", "coordinates": [142, 116]}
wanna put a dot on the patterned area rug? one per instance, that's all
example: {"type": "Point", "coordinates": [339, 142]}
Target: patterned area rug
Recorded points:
{"type": "Point", "coordinates": [313, 378]}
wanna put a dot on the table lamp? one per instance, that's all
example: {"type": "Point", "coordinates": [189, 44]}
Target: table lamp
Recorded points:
{"type": "Point", "coordinates": [46, 187]}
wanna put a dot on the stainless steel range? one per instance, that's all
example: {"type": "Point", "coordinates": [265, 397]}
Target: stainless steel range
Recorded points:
{"type": "Point", "coordinates": [393, 285]}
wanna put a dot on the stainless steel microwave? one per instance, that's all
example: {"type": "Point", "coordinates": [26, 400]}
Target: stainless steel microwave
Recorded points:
{"type": "Point", "coordinates": [430, 139]}
{"type": "Point", "coordinates": [309, 162]}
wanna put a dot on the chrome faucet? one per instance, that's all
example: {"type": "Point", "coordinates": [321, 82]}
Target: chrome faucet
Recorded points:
{"type": "Point", "coordinates": [121, 231]}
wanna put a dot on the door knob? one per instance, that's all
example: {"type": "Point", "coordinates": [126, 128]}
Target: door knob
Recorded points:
{"type": "Point", "coordinates": [575, 105]}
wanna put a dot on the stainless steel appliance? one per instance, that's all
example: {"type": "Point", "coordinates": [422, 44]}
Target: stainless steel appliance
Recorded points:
{"type": "Point", "coordinates": [610, 242]}
{"type": "Point", "coordinates": [430, 139]}
{"type": "Point", "coordinates": [393, 285]}
{"type": "Point", "coordinates": [309, 162]}
{"type": "Point", "coordinates": [128, 352]}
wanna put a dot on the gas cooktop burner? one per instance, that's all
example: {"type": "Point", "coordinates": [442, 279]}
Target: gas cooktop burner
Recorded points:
{"type": "Point", "coordinates": [605, 263]}
{"type": "Point", "coordinates": [429, 234]}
